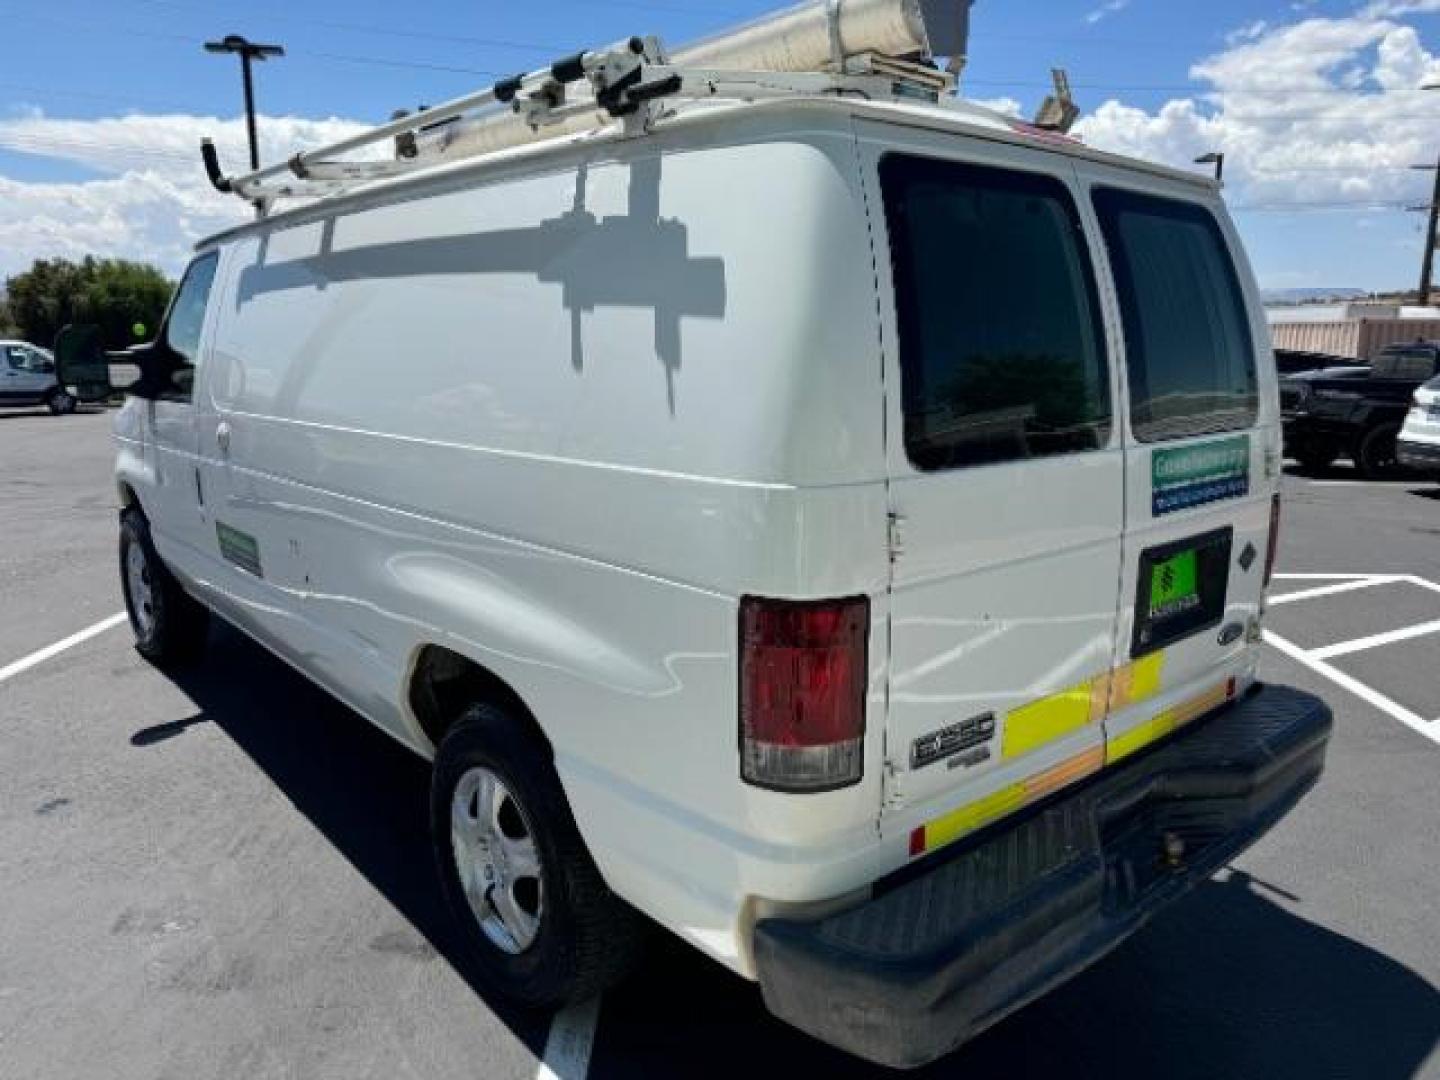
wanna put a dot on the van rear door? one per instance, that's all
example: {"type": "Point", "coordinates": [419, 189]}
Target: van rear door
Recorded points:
{"type": "Point", "coordinates": [1006, 479]}
{"type": "Point", "coordinates": [1201, 438]}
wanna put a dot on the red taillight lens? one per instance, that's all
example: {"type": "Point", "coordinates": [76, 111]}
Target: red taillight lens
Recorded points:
{"type": "Point", "coordinates": [802, 692]}
{"type": "Point", "coordinates": [1274, 540]}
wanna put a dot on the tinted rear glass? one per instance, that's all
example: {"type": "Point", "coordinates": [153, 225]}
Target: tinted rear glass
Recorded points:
{"type": "Point", "coordinates": [1187, 334]}
{"type": "Point", "coordinates": [1000, 342]}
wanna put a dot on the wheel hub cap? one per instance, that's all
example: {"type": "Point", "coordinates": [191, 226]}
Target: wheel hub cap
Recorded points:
{"type": "Point", "coordinates": [497, 860]}
{"type": "Point", "coordinates": [142, 598]}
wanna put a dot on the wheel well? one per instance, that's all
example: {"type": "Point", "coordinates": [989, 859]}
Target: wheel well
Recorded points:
{"type": "Point", "coordinates": [444, 683]}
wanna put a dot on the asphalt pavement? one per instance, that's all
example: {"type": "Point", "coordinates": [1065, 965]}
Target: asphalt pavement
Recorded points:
{"type": "Point", "coordinates": [227, 874]}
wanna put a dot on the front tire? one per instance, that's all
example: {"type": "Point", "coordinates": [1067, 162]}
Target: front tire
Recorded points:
{"type": "Point", "coordinates": [170, 626]}
{"type": "Point", "coordinates": [540, 924]}
{"type": "Point", "coordinates": [60, 402]}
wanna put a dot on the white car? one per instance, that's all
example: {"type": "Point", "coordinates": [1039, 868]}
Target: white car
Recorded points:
{"type": "Point", "coordinates": [831, 524]}
{"type": "Point", "coordinates": [1419, 444]}
{"type": "Point", "coordinates": [27, 377]}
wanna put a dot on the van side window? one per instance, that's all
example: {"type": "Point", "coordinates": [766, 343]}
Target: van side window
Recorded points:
{"type": "Point", "coordinates": [1187, 335]}
{"type": "Point", "coordinates": [186, 319]}
{"type": "Point", "coordinates": [1001, 352]}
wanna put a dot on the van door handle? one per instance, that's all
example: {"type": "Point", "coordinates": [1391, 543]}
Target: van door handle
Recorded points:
{"type": "Point", "coordinates": [222, 437]}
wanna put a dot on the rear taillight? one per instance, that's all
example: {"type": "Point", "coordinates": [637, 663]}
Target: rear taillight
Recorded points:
{"type": "Point", "coordinates": [802, 693]}
{"type": "Point", "coordinates": [1274, 540]}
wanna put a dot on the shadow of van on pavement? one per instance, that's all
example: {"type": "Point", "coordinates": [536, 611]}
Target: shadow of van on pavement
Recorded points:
{"type": "Point", "coordinates": [365, 793]}
{"type": "Point", "coordinates": [1228, 984]}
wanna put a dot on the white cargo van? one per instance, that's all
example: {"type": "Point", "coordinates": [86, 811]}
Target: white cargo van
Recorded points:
{"type": "Point", "coordinates": [835, 525]}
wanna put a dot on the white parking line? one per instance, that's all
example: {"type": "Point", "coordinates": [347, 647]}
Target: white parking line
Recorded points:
{"type": "Point", "coordinates": [572, 1036]}
{"type": "Point", "coordinates": [1345, 648]}
{"type": "Point", "coordinates": [9, 671]}
{"type": "Point", "coordinates": [1355, 686]}
{"type": "Point", "coordinates": [1338, 587]}
{"type": "Point", "coordinates": [1321, 576]}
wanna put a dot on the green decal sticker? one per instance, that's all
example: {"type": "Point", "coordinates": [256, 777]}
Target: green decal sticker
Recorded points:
{"type": "Point", "coordinates": [239, 548]}
{"type": "Point", "coordinates": [1188, 476]}
{"type": "Point", "coordinates": [1175, 585]}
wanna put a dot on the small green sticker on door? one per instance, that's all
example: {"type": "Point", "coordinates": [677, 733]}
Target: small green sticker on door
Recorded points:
{"type": "Point", "coordinates": [239, 548]}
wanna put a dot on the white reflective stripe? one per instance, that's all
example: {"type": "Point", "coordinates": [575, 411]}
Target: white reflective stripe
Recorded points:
{"type": "Point", "coordinates": [9, 671]}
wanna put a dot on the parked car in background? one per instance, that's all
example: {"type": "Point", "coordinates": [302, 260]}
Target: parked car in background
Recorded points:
{"type": "Point", "coordinates": [1355, 412]}
{"type": "Point", "coordinates": [1418, 447]}
{"type": "Point", "coordinates": [27, 377]}
{"type": "Point", "coordinates": [1293, 362]}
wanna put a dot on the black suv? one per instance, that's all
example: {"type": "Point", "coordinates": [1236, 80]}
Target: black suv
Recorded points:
{"type": "Point", "coordinates": [1355, 412]}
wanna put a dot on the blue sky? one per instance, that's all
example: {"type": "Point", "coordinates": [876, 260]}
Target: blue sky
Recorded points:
{"type": "Point", "coordinates": [1316, 102]}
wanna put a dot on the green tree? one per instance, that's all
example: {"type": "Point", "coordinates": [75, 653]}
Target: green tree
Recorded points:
{"type": "Point", "coordinates": [8, 329]}
{"type": "Point", "coordinates": [114, 294]}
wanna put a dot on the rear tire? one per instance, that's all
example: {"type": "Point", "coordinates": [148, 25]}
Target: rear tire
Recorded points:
{"type": "Point", "coordinates": [576, 938]}
{"type": "Point", "coordinates": [1375, 454]}
{"type": "Point", "coordinates": [60, 402]}
{"type": "Point", "coordinates": [170, 626]}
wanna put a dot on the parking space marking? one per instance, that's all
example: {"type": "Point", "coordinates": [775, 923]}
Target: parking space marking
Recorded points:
{"type": "Point", "coordinates": [1348, 585]}
{"type": "Point", "coordinates": [9, 671]}
{"type": "Point", "coordinates": [1365, 693]}
{"type": "Point", "coordinates": [572, 1036]}
{"type": "Point", "coordinates": [1322, 577]}
{"type": "Point", "coordinates": [1345, 648]}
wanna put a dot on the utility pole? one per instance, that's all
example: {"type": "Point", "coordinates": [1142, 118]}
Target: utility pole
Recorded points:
{"type": "Point", "coordinates": [248, 51]}
{"type": "Point", "coordinates": [1427, 264]}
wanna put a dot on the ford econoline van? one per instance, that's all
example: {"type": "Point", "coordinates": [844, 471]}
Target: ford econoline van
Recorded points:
{"type": "Point", "coordinates": [835, 529]}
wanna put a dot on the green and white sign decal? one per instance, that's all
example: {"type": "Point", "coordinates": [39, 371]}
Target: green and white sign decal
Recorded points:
{"type": "Point", "coordinates": [240, 548]}
{"type": "Point", "coordinates": [1189, 476]}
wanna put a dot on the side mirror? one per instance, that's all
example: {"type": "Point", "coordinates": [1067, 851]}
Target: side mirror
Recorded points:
{"type": "Point", "coordinates": [81, 364]}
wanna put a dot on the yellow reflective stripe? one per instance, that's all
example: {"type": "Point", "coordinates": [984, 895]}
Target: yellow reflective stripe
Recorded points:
{"type": "Point", "coordinates": [1142, 735]}
{"type": "Point", "coordinates": [1032, 726]}
{"type": "Point", "coordinates": [1066, 773]}
{"type": "Point", "coordinates": [974, 815]}
{"type": "Point", "coordinates": [1145, 677]}
{"type": "Point", "coordinates": [1133, 683]}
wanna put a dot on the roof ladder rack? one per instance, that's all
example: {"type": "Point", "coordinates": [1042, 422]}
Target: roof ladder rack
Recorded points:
{"type": "Point", "coordinates": [878, 49]}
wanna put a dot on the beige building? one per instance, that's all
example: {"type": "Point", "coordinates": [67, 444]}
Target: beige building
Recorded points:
{"type": "Point", "coordinates": [1355, 330]}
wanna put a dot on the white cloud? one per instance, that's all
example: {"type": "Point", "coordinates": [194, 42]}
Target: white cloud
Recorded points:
{"type": "Point", "coordinates": [1105, 10]}
{"type": "Point", "coordinates": [1318, 111]}
{"type": "Point", "coordinates": [150, 201]}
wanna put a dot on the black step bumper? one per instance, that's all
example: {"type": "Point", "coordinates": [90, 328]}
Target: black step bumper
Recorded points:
{"type": "Point", "coordinates": [952, 945]}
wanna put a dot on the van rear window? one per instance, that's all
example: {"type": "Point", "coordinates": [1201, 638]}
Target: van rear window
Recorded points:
{"type": "Point", "coordinates": [1188, 348]}
{"type": "Point", "coordinates": [1001, 350]}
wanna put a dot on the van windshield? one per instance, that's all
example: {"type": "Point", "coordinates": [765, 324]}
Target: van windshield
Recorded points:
{"type": "Point", "coordinates": [1189, 352]}
{"type": "Point", "coordinates": [1001, 352]}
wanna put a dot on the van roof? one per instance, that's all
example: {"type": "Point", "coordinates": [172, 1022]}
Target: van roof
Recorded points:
{"type": "Point", "coordinates": [961, 117]}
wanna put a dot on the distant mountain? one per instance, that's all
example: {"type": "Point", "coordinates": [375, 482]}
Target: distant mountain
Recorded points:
{"type": "Point", "coordinates": [1310, 296]}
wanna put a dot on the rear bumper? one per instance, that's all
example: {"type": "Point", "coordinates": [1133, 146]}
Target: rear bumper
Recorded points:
{"type": "Point", "coordinates": [952, 945]}
{"type": "Point", "coordinates": [1417, 455]}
